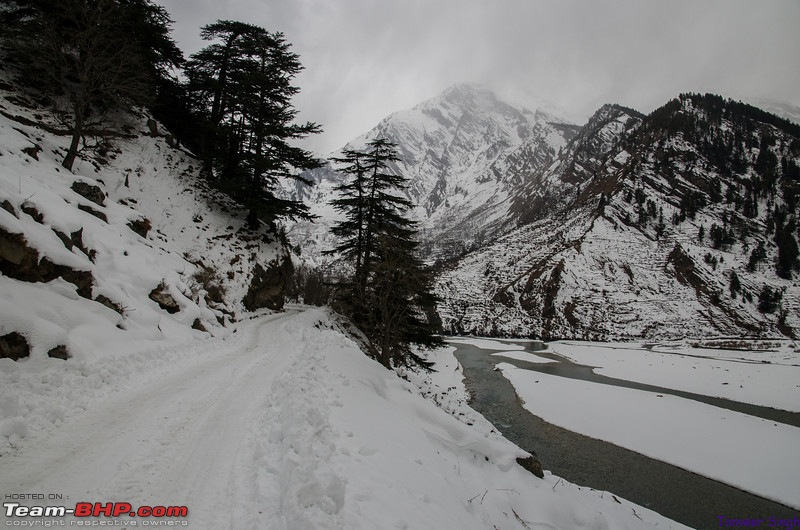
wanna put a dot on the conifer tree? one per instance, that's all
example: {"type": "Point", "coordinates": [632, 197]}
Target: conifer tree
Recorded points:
{"type": "Point", "coordinates": [90, 59]}
{"type": "Point", "coordinates": [389, 295]}
{"type": "Point", "coordinates": [788, 252]}
{"type": "Point", "coordinates": [241, 85]}
{"type": "Point", "coordinates": [351, 201]}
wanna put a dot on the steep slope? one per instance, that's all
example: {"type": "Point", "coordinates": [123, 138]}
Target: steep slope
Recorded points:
{"type": "Point", "coordinates": [467, 154]}
{"type": "Point", "coordinates": [130, 251]}
{"type": "Point", "coordinates": [668, 225]}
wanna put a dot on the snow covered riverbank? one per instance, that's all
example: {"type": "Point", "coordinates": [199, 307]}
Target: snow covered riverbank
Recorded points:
{"type": "Point", "coordinates": [769, 377]}
{"type": "Point", "coordinates": [747, 452]}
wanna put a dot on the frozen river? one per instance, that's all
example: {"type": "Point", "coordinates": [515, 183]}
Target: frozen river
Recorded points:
{"type": "Point", "coordinates": [682, 495]}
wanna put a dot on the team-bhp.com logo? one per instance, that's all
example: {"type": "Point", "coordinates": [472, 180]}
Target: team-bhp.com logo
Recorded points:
{"type": "Point", "coordinates": [97, 510]}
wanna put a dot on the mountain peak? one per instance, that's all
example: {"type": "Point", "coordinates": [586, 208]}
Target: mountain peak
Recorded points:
{"type": "Point", "coordinates": [466, 90]}
{"type": "Point", "coordinates": [474, 97]}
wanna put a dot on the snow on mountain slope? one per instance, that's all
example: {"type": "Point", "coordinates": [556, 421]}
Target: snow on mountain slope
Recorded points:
{"type": "Point", "coordinates": [783, 109]}
{"type": "Point", "coordinates": [647, 222]}
{"type": "Point", "coordinates": [128, 252]}
{"type": "Point", "coordinates": [466, 154]}
{"type": "Point", "coordinates": [286, 424]}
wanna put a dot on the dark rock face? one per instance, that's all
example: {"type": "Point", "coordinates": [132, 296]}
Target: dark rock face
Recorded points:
{"type": "Point", "coordinates": [141, 226]}
{"type": "Point", "coordinates": [165, 301]}
{"type": "Point", "coordinates": [198, 325]}
{"type": "Point", "coordinates": [88, 209]}
{"type": "Point", "coordinates": [267, 286]}
{"type": "Point", "coordinates": [14, 346]}
{"type": "Point", "coordinates": [31, 210]}
{"type": "Point", "coordinates": [33, 151]}
{"type": "Point", "coordinates": [76, 238]}
{"type": "Point", "coordinates": [13, 250]}
{"type": "Point", "coordinates": [90, 192]}
{"type": "Point", "coordinates": [102, 299]}
{"type": "Point", "coordinates": [152, 127]}
{"type": "Point", "coordinates": [59, 352]}
{"type": "Point", "coordinates": [7, 206]}
{"type": "Point", "coordinates": [21, 262]}
{"type": "Point", "coordinates": [64, 239]}
{"type": "Point", "coordinates": [532, 464]}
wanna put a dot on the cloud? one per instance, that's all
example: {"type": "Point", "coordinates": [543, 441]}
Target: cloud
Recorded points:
{"type": "Point", "coordinates": [365, 59]}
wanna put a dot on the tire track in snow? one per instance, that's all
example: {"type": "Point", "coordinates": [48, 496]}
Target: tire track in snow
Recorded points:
{"type": "Point", "coordinates": [184, 438]}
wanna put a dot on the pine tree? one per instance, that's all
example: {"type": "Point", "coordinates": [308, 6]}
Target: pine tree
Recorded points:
{"type": "Point", "coordinates": [769, 299]}
{"type": "Point", "coordinates": [758, 255]}
{"type": "Point", "coordinates": [352, 202]}
{"type": "Point", "coordinates": [241, 85]}
{"type": "Point", "coordinates": [735, 285]}
{"type": "Point", "coordinates": [788, 252]}
{"type": "Point", "coordinates": [90, 59]}
{"type": "Point", "coordinates": [389, 295]}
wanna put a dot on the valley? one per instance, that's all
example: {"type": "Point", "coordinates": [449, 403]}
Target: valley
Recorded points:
{"type": "Point", "coordinates": [169, 329]}
{"type": "Point", "coordinates": [662, 226]}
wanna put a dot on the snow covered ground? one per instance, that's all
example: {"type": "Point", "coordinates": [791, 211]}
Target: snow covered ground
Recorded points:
{"type": "Point", "coordinates": [770, 377]}
{"type": "Point", "coordinates": [747, 452]}
{"type": "Point", "coordinates": [281, 423]}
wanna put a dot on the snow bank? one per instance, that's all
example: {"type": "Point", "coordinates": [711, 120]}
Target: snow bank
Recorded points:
{"type": "Point", "coordinates": [487, 344]}
{"type": "Point", "coordinates": [195, 243]}
{"type": "Point", "coordinates": [767, 378]}
{"type": "Point", "coordinates": [522, 356]}
{"type": "Point", "coordinates": [749, 453]}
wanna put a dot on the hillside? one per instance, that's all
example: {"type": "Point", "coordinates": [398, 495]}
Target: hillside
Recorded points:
{"type": "Point", "coordinates": [130, 251]}
{"type": "Point", "coordinates": [673, 224]}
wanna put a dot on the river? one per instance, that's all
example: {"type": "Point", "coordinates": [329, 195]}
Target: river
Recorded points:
{"type": "Point", "coordinates": [669, 490]}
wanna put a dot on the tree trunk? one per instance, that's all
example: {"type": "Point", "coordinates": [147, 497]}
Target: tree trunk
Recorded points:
{"type": "Point", "coordinates": [77, 132]}
{"type": "Point", "coordinates": [217, 107]}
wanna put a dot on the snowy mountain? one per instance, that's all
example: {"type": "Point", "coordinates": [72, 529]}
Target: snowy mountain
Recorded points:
{"type": "Point", "coordinates": [669, 225]}
{"type": "Point", "coordinates": [467, 154]}
{"type": "Point", "coordinates": [663, 225]}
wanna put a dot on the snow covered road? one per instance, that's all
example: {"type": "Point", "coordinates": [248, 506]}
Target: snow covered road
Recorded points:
{"type": "Point", "coordinates": [178, 439]}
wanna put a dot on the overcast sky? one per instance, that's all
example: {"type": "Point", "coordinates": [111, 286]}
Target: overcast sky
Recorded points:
{"type": "Point", "coordinates": [364, 59]}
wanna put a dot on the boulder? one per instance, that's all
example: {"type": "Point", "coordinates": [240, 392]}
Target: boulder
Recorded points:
{"type": "Point", "coordinates": [164, 299]}
{"type": "Point", "coordinates": [141, 225]}
{"type": "Point", "coordinates": [267, 286]}
{"type": "Point", "coordinates": [59, 352]}
{"type": "Point", "coordinates": [88, 209]}
{"type": "Point", "coordinates": [21, 262]}
{"type": "Point", "coordinates": [532, 464]}
{"type": "Point", "coordinates": [90, 192]}
{"type": "Point", "coordinates": [14, 346]}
